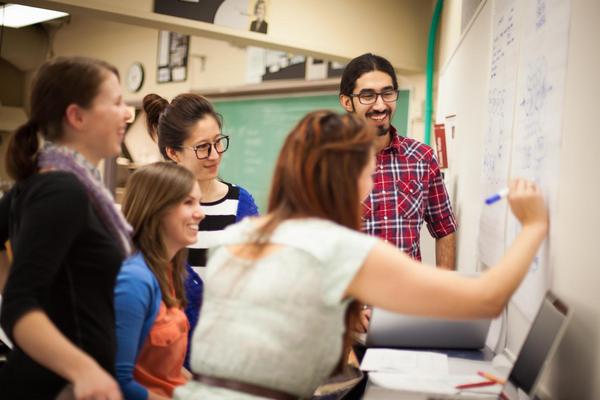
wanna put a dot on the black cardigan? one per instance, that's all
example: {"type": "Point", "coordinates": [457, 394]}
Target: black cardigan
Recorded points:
{"type": "Point", "coordinates": [65, 264]}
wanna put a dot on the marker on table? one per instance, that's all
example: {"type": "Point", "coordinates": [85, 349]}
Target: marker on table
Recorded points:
{"type": "Point", "coordinates": [491, 380]}
{"type": "Point", "coordinates": [475, 385]}
{"type": "Point", "coordinates": [491, 377]}
{"type": "Point", "coordinates": [494, 198]}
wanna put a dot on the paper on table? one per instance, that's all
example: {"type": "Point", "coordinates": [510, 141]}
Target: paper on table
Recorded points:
{"type": "Point", "coordinates": [430, 383]}
{"type": "Point", "coordinates": [413, 362]}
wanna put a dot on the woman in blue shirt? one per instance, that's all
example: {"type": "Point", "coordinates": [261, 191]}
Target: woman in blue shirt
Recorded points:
{"type": "Point", "coordinates": [162, 203]}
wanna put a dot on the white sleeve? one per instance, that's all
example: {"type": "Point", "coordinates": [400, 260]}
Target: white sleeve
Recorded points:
{"type": "Point", "coordinates": [338, 251]}
{"type": "Point", "coordinates": [350, 249]}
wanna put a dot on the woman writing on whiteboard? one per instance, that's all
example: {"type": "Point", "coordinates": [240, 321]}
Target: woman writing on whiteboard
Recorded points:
{"type": "Point", "coordinates": [285, 282]}
{"type": "Point", "coordinates": [189, 132]}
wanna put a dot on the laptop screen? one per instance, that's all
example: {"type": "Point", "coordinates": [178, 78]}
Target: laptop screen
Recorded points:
{"type": "Point", "coordinates": [543, 338]}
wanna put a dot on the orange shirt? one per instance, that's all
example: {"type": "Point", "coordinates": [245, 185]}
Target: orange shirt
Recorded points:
{"type": "Point", "coordinates": [160, 361]}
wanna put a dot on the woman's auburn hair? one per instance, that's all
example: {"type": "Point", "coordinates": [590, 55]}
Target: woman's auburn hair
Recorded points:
{"type": "Point", "coordinates": [316, 175]}
{"type": "Point", "coordinates": [150, 193]}
{"type": "Point", "coordinates": [317, 172]}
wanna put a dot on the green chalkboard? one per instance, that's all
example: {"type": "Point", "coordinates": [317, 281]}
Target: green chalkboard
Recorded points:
{"type": "Point", "coordinates": [258, 127]}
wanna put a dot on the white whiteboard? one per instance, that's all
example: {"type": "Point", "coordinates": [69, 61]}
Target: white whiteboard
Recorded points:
{"type": "Point", "coordinates": [525, 103]}
{"type": "Point", "coordinates": [573, 260]}
{"type": "Point", "coordinates": [498, 136]}
{"type": "Point", "coordinates": [485, 80]}
{"type": "Point", "coordinates": [538, 122]}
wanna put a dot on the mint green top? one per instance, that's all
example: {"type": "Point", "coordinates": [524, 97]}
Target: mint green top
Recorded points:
{"type": "Point", "coordinates": [276, 322]}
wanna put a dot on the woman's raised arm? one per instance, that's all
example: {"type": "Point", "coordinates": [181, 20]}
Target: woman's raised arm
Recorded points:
{"type": "Point", "coordinates": [389, 279]}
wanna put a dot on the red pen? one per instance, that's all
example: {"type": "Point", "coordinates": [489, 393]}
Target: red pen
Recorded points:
{"type": "Point", "coordinates": [476, 385]}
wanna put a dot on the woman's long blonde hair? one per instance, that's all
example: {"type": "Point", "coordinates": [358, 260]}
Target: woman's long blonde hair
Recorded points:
{"type": "Point", "coordinates": [150, 192]}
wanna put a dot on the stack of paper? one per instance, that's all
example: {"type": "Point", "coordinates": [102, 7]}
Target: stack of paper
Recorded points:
{"type": "Point", "coordinates": [433, 384]}
{"type": "Point", "coordinates": [409, 362]}
{"type": "Point", "coordinates": [419, 372]}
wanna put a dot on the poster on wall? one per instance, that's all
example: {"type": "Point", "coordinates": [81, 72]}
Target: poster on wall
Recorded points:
{"type": "Point", "coordinates": [538, 125]}
{"type": "Point", "coordinates": [269, 65]}
{"type": "Point", "coordinates": [523, 138]}
{"type": "Point", "coordinates": [238, 14]}
{"type": "Point", "coordinates": [498, 135]}
{"type": "Point", "coordinates": [173, 51]}
{"type": "Point", "coordinates": [439, 131]}
{"type": "Point", "coordinates": [450, 177]}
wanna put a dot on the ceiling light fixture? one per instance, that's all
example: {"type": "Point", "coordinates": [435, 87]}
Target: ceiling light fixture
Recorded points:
{"type": "Point", "coordinates": [18, 16]}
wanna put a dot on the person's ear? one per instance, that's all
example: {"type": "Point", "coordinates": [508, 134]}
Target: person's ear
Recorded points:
{"type": "Point", "coordinates": [346, 102]}
{"type": "Point", "coordinates": [74, 116]}
{"type": "Point", "coordinates": [172, 154]}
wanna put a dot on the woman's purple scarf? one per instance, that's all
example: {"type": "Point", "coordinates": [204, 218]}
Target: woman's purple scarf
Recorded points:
{"type": "Point", "coordinates": [64, 159]}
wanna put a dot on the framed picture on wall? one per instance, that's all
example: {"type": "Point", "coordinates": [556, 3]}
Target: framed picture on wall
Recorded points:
{"type": "Point", "coordinates": [173, 51]}
{"type": "Point", "coordinates": [238, 14]}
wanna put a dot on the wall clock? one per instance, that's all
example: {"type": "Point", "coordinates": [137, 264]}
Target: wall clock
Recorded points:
{"type": "Point", "coordinates": [135, 77]}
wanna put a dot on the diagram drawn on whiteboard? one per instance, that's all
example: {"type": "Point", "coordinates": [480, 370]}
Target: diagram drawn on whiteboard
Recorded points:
{"type": "Point", "coordinates": [495, 152]}
{"type": "Point", "coordinates": [533, 104]}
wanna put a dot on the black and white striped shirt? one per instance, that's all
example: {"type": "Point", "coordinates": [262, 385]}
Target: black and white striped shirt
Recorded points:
{"type": "Point", "coordinates": [236, 204]}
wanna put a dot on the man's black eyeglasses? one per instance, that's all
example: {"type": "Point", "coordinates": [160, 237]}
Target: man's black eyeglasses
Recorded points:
{"type": "Point", "coordinates": [368, 98]}
{"type": "Point", "coordinates": [203, 150]}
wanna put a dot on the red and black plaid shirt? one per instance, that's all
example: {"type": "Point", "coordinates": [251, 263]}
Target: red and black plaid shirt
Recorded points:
{"type": "Point", "coordinates": [408, 189]}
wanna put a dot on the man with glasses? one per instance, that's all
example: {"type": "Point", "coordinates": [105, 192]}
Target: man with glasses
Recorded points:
{"type": "Point", "coordinates": [408, 188]}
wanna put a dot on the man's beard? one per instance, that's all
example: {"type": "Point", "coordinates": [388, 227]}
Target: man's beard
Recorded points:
{"type": "Point", "coordinates": [382, 130]}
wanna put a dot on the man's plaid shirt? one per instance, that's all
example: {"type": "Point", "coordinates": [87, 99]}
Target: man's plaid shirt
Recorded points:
{"type": "Point", "coordinates": [408, 189]}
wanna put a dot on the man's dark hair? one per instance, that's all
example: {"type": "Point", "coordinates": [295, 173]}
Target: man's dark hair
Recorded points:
{"type": "Point", "coordinates": [362, 64]}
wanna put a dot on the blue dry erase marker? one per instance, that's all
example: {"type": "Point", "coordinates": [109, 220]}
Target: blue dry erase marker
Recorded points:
{"type": "Point", "coordinates": [494, 198]}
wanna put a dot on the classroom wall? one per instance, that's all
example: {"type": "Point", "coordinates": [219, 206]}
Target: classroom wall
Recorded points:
{"type": "Point", "coordinates": [12, 81]}
{"type": "Point", "coordinates": [219, 64]}
{"type": "Point", "coordinates": [416, 107]}
{"type": "Point", "coordinates": [213, 65]}
{"type": "Point", "coordinates": [449, 32]}
{"type": "Point", "coordinates": [118, 44]}
{"type": "Point", "coordinates": [574, 372]}
{"type": "Point", "coordinates": [395, 24]}
{"type": "Point", "coordinates": [457, 96]}
{"type": "Point", "coordinates": [324, 29]}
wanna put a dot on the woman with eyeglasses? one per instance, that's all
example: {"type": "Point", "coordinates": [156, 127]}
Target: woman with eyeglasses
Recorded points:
{"type": "Point", "coordinates": [189, 132]}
